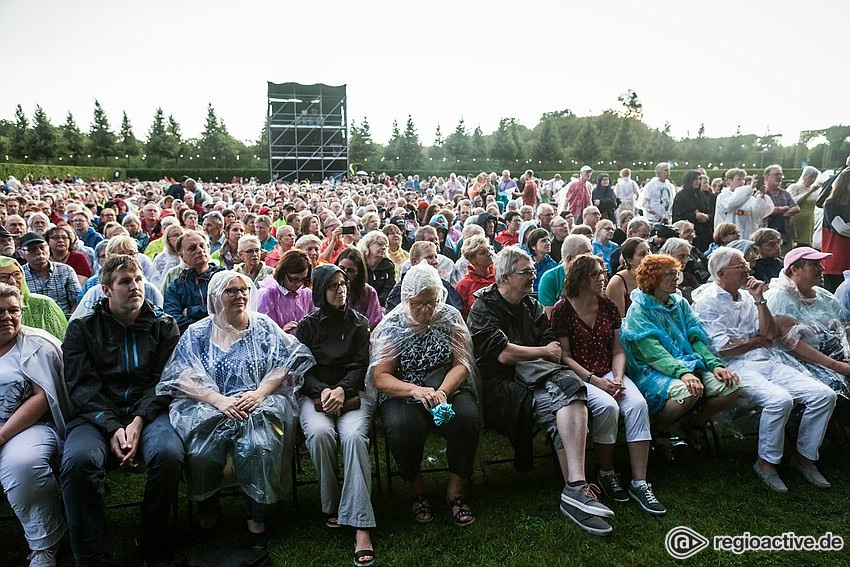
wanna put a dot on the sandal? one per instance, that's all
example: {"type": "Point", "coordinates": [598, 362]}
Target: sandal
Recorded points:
{"type": "Point", "coordinates": [663, 450]}
{"type": "Point", "coordinates": [422, 511]}
{"type": "Point", "coordinates": [332, 521]}
{"type": "Point", "coordinates": [463, 516]}
{"type": "Point", "coordinates": [359, 555]}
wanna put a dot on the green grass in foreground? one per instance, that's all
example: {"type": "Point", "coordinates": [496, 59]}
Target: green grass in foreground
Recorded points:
{"type": "Point", "coordinates": [518, 522]}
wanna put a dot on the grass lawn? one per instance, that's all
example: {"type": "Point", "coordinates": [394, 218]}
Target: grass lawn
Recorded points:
{"type": "Point", "coordinates": [518, 521]}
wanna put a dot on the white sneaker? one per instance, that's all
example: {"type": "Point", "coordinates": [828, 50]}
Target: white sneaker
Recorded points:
{"type": "Point", "coordinates": [43, 558]}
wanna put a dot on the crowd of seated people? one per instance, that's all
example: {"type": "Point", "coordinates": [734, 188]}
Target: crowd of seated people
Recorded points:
{"type": "Point", "coordinates": [194, 327]}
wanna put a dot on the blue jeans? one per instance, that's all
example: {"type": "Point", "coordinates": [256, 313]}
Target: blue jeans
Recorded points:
{"type": "Point", "coordinates": [82, 474]}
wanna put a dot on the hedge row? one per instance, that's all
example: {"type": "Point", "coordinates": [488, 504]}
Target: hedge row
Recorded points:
{"type": "Point", "coordinates": [22, 170]}
{"type": "Point", "coordinates": [223, 175]}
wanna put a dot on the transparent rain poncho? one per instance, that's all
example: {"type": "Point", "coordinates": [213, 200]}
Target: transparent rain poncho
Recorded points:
{"type": "Point", "coordinates": [420, 349]}
{"type": "Point", "coordinates": [213, 357]}
{"type": "Point", "coordinates": [820, 322]}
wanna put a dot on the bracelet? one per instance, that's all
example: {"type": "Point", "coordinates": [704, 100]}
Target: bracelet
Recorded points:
{"type": "Point", "coordinates": [444, 393]}
{"type": "Point", "coordinates": [589, 376]}
{"type": "Point", "coordinates": [762, 302]}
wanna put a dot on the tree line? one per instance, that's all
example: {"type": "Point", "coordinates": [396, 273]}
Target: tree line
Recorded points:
{"type": "Point", "coordinates": [39, 141]}
{"type": "Point", "coordinates": [560, 141]}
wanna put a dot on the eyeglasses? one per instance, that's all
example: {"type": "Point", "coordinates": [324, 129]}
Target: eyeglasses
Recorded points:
{"type": "Point", "coordinates": [529, 272]}
{"type": "Point", "coordinates": [745, 266]}
{"type": "Point", "coordinates": [59, 237]}
{"type": "Point", "coordinates": [673, 274]}
{"type": "Point", "coordinates": [594, 274]}
{"type": "Point", "coordinates": [9, 276]}
{"type": "Point", "coordinates": [335, 287]}
{"type": "Point", "coordinates": [14, 312]}
{"type": "Point", "coordinates": [293, 279]}
{"type": "Point", "coordinates": [251, 251]}
{"type": "Point", "coordinates": [232, 292]}
{"type": "Point", "coordinates": [419, 305]}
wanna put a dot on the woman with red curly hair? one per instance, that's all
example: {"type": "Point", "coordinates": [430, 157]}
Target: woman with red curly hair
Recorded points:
{"type": "Point", "coordinates": [668, 357]}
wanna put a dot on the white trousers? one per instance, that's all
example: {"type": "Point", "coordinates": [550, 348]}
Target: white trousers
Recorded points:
{"type": "Point", "coordinates": [605, 412]}
{"type": "Point", "coordinates": [776, 388]}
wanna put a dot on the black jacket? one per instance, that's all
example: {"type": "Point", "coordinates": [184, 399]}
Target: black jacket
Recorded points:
{"type": "Point", "coordinates": [112, 371]}
{"type": "Point", "coordinates": [507, 403]}
{"type": "Point", "coordinates": [685, 205]}
{"type": "Point", "coordinates": [338, 339]}
{"type": "Point", "coordinates": [382, 278]}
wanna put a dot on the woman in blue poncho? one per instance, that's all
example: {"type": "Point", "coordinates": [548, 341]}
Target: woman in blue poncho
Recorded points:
{"type": "Point", "coordinates": [669, 359]}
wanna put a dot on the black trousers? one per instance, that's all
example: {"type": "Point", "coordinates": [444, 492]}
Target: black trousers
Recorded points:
{"type": "Point", "coordinates": [407, 426]}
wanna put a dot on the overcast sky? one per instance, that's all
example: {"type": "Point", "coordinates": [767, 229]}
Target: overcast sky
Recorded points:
{"type": "Point", "coordinates": [768, 66]}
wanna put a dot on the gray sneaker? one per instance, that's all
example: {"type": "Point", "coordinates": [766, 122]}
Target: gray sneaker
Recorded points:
{"type": "Point", "coordinates": [644, 496]}
{"type": "Point", "coordinates": [771, 479]}
{"type": "Point", "coordinates": [584, 498]}
{"type": "Point", "coordinates": [588, 522]}
{"type": "Point", "coordinates": [43, 558]}
{"type": "Point", "coordinates": [811, 474]}
{"type": "Point", "coordinates": [612, 488]}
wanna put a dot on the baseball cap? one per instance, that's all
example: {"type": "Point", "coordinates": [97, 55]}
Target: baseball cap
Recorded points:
{"type": "Point", "coordinates": [586, 168]}
{"type": "Point", "coordinates": [31, 237]}
{"type": "Point", "coordinates": [803, 253]}
{"type": "Point", "coordinates": [4, 233]}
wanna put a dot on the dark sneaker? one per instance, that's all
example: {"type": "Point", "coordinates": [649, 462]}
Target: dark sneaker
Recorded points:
{"type": "Point", "coordinates": [584, 497]}
{"type": "Point", "coordinates": [644, 496]}
{"type": "Point", "coordinates": [612, 488]}
{"type": "Point", "coordinates": [588, 522]}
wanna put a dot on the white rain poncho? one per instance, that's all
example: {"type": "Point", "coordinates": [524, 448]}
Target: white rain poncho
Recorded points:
{"type": "Point", "coordinates": [213, 356]}
{"type": "Point", "coordinates": [421, 349]}
{"type": "Point", "coordinates": [821, 322]}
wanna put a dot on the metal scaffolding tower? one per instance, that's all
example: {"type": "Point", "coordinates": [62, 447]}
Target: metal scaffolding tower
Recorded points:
{"type": "Point", "coordinates": [308, 131]}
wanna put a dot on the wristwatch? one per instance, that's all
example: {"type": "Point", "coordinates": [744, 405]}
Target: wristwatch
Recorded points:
{"type": "Point", "coordinates": [762, 302]}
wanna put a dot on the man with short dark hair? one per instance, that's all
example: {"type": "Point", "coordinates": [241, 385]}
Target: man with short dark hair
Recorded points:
{"type": "Point", "coordinates": [113, 361]}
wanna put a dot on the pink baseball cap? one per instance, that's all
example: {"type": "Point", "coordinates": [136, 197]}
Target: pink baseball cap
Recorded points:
{"type": "Point", "coordinates": [803, 253]}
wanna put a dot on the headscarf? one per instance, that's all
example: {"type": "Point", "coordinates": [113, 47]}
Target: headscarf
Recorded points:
{"type": "Point", "coordinates": [321, 276]}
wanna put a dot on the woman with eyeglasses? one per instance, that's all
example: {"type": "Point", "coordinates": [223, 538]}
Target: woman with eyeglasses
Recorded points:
{"type": "Point", "coordinates": [364, 298]}
{"type": "Point", "coordinates": [421, 360]}
{"type": "Point", "coordinates": [603, 246]}
{"type": "Point", "coordinates": [39, 311]}
{"type": "Point", "coordinates": [233, 377]}
{"type": "Point", "coordinates": [285, 296]}
{"type": "Point", "coordinates": [539, 246]}
{"type": "Point", "coordinates": [249, 250]}
{"type": "Point", "coordinates": [59, 244]}
{"type": "Point", "coordinates": [724, 233]}
{"type": "Point", "coordinates": [381, 270]}
{"type": "Point", "coordinates": [587, 325]}
{"type": "Point", "coordinates": [32, 426]}
{"type": "Point", "coordinates": [668, 358]}
{"type": "Point", "coordinates": [767, 244]}
{"type": "Point", "coordinates": [335, 412]}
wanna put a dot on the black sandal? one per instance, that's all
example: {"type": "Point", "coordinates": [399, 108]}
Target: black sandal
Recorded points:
{"type": "Point", "coordinates": [359, 555]}
{"type": "Point", "coordinates": [422, 511]}
{"type": "Point", "coordinates": [332, 521]}
{"type": "Point", "coordinates": [663, 450]}
{"type": "Point", "coordinates": [463, 516]}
